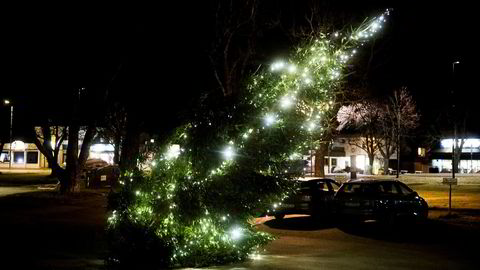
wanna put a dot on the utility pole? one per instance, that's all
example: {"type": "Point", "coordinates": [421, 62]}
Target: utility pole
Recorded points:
{"type": "Point", "coordinates": [7, 102]}
{"type": "Point", "coordinates": [454, 144]}
{"type": "Point", "coordinates": [398, 142]}
{"type": "Point", "coordinates": [11, 128]}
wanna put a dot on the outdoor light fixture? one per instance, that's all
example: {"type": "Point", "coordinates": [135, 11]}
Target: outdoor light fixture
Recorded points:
{"type": "Point", "coordinates": [6, 101]}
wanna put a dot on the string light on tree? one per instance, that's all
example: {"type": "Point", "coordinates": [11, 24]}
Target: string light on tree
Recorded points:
{"type": "Point", "coordinates": [270, 119]}
{"type": "Point", "coordinates": [228, 153]}
{"type": "Point", "coordinates": [194, 204]}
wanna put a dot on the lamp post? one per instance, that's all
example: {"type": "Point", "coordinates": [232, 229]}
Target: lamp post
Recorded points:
{"type": "Point", "coordinates": [7, 102]}
{"type": "Point", "coordinates": [454, 122]}
{"type": "Point", "coordinates": [454, 141]}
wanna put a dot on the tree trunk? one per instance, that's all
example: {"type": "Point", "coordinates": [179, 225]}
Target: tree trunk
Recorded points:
{"type": "Point", "coordinates": [458, 154]}
{"type": "Point", "coordinates": [385, 165]}
{"type": "Point", "coordinates": [69, 179]}
{"type": "Point", "coordinates": [116, 152]}
{"type": "Point", "coordinates": [371, 159]}
{"type": "Point", "coordinates": [320, 160]}
{"type": "Point", "coordinates": [131, 145]}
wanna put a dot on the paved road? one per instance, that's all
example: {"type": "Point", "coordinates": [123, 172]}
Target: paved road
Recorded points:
{"type": "Point", "coordinates": [306, 245]}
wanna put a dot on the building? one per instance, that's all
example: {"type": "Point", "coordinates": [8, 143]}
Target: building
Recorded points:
{"type": "Point", "coordinates": [441, 157]}
{"type": "Point", "coordinates": [27, 156]}
{"type": "Point", "coordinates": [340, 157]}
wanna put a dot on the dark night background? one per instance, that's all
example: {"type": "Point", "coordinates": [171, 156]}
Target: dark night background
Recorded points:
{"type": "Point", "coordinates": [159, 54]}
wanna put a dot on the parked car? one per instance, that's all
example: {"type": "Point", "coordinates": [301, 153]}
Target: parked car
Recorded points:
{"type": "Point", "coordinates": [313, 197]}
{"type": "Point", "coordinates": [381, 200]}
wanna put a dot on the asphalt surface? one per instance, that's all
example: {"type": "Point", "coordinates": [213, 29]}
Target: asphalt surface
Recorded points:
{"type": "Point", "coordinates": [44, 231]}
{"type": "Point", "coordinates": [305, 244]}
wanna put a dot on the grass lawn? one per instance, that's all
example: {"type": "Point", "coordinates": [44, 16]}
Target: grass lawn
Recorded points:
{"type": "Point", "coordinates": [20, 179]}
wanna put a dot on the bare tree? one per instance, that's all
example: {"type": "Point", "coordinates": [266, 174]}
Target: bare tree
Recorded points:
{"type": "Point", "coordinates": [76, 158]}
{"type": "Point", "coordinates": [381, 124]}
{"type": "Point", "coordinates": [402, 117]}
{"type": "Point", "coordinates": [387, 142]}
{"type": "Point", "coordinates": [364, 118]}
{"type": "Point", "coordinates": [113, 129]}
{"type": "Point", "coordinates": [49, 139]}
{"type": "Point", "coordinates": [233, 46]}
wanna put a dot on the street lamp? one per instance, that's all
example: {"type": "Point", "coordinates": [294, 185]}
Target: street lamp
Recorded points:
{"type": "Point", "coordinates": [454, 120]}
{"type": "Point", "coordinates": [454, 141]}
{"type": "Point", "coordinates": [7, 102]}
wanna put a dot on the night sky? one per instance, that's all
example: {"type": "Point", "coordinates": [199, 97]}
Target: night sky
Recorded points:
{"type": "Point", "coordinates": [158, 54]}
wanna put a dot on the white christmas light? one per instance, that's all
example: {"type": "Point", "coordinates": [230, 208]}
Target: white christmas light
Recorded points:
{"type": "Point", "coordinates": [292, 69]}
{"type": "Point", "coordinates": [173, 151]}
{"type": "Point", "coordinates": [286, 102]}
{"type": "Point", "coordinates": [311, 126]}
{"type": "Point", "coordinates": [236, 233]}
{"type": "Point", "coordinates": [270, 119]}
{"type": "Point", "coordinates": [277, 65]}
{"type": "Point", "coordinates": [228, 153]}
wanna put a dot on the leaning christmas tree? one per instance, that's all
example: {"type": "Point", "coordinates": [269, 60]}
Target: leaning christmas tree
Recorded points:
{"type": "Point", "coordinates": [194, 207]}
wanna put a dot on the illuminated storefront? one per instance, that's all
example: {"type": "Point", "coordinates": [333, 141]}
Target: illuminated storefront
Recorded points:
{"type": "Point", "coordinates": [469, 158]}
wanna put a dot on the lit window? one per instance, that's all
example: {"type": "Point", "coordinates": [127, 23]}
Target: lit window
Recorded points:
{"type": "Point", "coordinates": [18, 157]}
{"type": "Point", "coordinates": [421, 152]}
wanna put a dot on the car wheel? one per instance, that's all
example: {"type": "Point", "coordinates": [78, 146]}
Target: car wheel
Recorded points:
{"type": "Point", "coordinates": [279, 216]}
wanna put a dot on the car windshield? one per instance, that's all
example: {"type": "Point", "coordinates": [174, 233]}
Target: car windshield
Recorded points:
{"type": "Point", "coordinates": [405, 189]}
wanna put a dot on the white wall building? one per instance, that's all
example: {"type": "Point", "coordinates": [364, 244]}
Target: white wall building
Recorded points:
{"type": "Point", "coordinates": [27, 155]}
{"type": "Point", "coordinates": [342, 155]}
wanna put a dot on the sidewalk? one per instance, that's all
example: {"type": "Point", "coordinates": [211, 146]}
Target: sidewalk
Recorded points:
{"type": "Point", "coordinates": [45, 171]}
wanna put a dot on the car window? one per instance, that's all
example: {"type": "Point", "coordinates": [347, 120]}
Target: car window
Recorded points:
{"type": "Point", "coordinates": [321, 186]}
{"type": "Point", "coordinates": [334, 186]}
{"type": "Point", "coordinates": [372, 188]}
{"type": "Point", "coordinates": [404, 189]}
{"type": "Point", "coordinates": [351, 188]}
{"type": "Point", "coordinates": [388, 188]}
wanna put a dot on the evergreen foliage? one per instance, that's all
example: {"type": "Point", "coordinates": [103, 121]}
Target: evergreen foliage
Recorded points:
{"type": "Point", "coordinates": [214, 174]}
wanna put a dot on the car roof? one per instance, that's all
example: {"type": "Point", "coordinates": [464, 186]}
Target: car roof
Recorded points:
{"type": "Point", "coordinates": [370, 181]}
{"type": "Point", "coordinates": [317, 180]}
